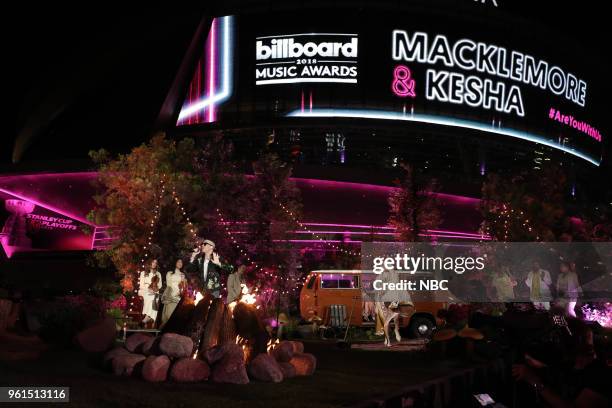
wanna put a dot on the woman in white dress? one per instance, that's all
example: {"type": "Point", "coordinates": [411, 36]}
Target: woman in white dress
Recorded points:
{"type": "Point", "coordinates": [568, 288]}
{"type": "Point", "coordinates": [175, 282]}
{"type": "Point", "coordinates": [150, 283]}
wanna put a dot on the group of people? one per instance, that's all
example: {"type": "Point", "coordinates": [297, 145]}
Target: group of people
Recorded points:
{"type": "Point", "coordinates": [540, 286]}
{"type": "Point", "coordinates": [203, 274]}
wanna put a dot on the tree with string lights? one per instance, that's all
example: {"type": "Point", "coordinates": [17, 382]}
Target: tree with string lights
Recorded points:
{"type": "Point", "coordinates": [160, 197]}
{"type": "Point", "coordinates": [528, 207]}
{"type": "Point", "coordinates": [275, 205]}
{"type": "Point", "coordinates": [164, 194]}
{"type": "Point", "coordinates": [414, 206]}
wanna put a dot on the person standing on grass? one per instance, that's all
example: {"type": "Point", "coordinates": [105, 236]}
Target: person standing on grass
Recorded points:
{"type": "Point", "coordinates": [175, 282]}
{"type": "Point", "coordinates": [568, 288]}
{"type": "Point", "coordinates": [538, 281]}
{"type": "Point", "coordinates": [150, 283]}
{"type": "Point", "coordinates": [234, 282]}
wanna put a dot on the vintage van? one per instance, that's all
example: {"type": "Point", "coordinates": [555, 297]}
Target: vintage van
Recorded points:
{"type": "Point", "coordinates": [323, 289]}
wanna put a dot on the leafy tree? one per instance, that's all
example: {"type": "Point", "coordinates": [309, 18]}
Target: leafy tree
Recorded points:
{"type": "Point", "coordinates": [208, 185]}
{"type": "Point", "coordinates": [134, 187]}
{"type": "Point", "coordinates": [414, 206]}
{"type": "Point", "coordinates": [528, 207]}
{"type": "Point", "coordinates": [273, 211]}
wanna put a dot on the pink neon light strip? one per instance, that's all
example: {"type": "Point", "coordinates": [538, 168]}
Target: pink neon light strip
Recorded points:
{"type": "Point", "coordinates": [373, 187]}
{"type": "Point", "coordinates": [337, 241]}
{"type": "Point", "coordinates": [319, 224]}
{"type": "Point", "coordinates": [474, 237]}
{"type": "Point", "coordinates": [211, 71]}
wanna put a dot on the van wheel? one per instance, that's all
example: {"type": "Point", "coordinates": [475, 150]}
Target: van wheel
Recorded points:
{"type": "Point", "coordinates": [421, 327]}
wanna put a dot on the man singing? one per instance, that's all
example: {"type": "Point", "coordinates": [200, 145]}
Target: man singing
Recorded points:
{"type": "Point", "coordinates": [207, 267]}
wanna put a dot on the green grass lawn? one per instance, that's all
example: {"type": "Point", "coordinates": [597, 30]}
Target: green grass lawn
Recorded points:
{"type": "Point", "coordinates": [343, 377]}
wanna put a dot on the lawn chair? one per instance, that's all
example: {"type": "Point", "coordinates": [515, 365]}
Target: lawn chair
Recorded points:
{"type": "Point", "coordinates": [334, 321]}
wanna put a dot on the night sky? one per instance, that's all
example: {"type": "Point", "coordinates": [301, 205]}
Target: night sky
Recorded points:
{"type": "Point", "coordinates": [100, 72]}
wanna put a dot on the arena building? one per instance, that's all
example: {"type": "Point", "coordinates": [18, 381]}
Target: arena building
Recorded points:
{"type": "Point", "coordinates": [456, 88]}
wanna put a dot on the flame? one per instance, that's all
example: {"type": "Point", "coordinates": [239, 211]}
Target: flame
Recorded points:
{"type": "Point", "coordinates": [271, 345]}
{"type": "Point", "coordinates": [245, 297]}
{"type": "Point", "coordinates": [198, 297]}
{"type": "Point", "coordinates": [241, 341]}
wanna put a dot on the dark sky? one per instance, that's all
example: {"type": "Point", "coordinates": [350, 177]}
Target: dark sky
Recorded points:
{"type": "Point", "coordinates": [111, 65]}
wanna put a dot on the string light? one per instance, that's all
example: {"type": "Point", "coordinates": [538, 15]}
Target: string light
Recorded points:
{"type": "Point", "coordinates": [146, 249]}
{"type": "Point", "coordinates": [318, 237]}
{"type": "Point", "coordinates": [504, 217]}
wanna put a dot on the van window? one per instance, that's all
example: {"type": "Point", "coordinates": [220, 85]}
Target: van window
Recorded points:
{"type": "Point", "coordinates": [311, 282]}
{"type": "Point", "coordinates": [339, 281]}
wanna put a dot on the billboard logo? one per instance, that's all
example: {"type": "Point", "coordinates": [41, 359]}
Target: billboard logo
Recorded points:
{"type": "Point", "coordinates": [288, 48]}
{"type": "Point", "coordinates": [403, 84]}
{"type": "Point", "coordinates": [309, 57]}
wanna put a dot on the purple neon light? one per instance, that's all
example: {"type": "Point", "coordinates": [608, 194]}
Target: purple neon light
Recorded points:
{"type": "Point", "coordinates": [219, 42]}
{"type": "Point", "coordinates": [375, 187]}
{"type": "Point", "coordinates": [320, 224]}
{"type": "Point", "coordinates": [46, 206]}
{"type": "Point", "coordinates": [337, 241]}
{"type": "Point", "coordinates": [428, 233]}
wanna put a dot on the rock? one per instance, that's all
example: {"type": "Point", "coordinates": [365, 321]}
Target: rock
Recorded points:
{"type": "Point", "coordinates": [151, 347]}
{"type": "Point", "coordinates": [111, 354]}
{"type": "Point", "coordinates": [134, 343]}
{"type": "Point", "coordinates": [304, 363]}
{"type": "Point", "coordinates": [189, 370]}
{"type": "Point", "coordinates": [99, 337]}
{"type": "Point", "coordinates": [298, 346]}
{"type": "Point", "coordinates": [288, 370]}
{"type": "Point", "coordinates": [230, 368]}
{"type": "Point", "coordinates": [125, 364]}
{"type": "Point", "coordinates": [216, 353]}
{"type": "Point", "coordinates": [265, 368]}
{"type": "Point", "coordinates": [155, 368]}
{"type": "Point", "coordinates": [283, 351]}
{"type": "Point", "coordinates": [175, 345]}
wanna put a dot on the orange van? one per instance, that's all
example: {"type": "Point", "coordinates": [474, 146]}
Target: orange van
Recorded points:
{"type": "Point", "coordinates": [325, 288]}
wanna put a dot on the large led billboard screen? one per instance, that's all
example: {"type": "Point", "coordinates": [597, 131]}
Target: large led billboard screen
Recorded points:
{"type": "Point", "coordinates": [501, 81]}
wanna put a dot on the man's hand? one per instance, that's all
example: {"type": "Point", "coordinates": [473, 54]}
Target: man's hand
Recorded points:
{"type": "Point", "coordinates": [215, 259]}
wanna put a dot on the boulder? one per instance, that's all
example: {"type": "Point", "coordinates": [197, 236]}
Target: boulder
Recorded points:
{"type": "Point", "coordinates": [125, 364]}
{"type": "Point", "coordinates": [298, 346]}
{"type": "Point", "coordinates": [151, 347]}
{"type": "Point", "coordinates": [134, 343]}
{"type": "Point", "coordinates": [288, 370]}
{"type": "Point", "coordinates": [216, 353]}
{"type": "Point", "coordinates": [283, 351]}
{"type": "Point", "coordinates": [175, 345]}
{"type": "Point", "coordinates": [230, 368]}
{"type": "Point", "coordinates": [111, 354]}
{"type": "Point", "coordinates": [99, 337]}
{"type": "Point", "coordinates": [155, 368]}
{"type": "Point", "coordinates": [304, 363]}
{"type": "Point", "coordinates": [264, 367]}
{"type": "Point", "coordinates": [189, 370]}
